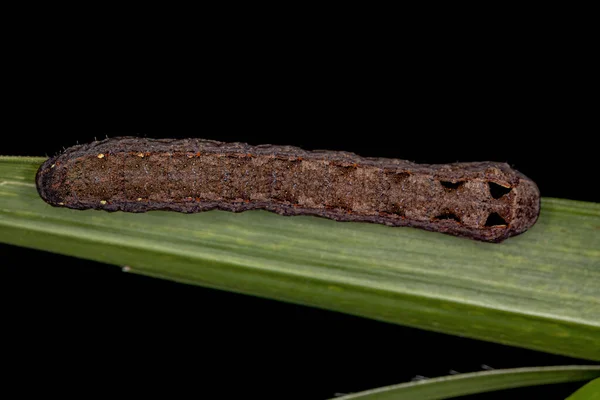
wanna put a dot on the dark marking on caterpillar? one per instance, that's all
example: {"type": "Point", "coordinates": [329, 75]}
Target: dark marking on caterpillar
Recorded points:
{"type": "Point", "coordinates": [486, 201]}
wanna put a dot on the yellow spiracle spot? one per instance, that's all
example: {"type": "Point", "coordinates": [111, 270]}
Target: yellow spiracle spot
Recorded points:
{"type": "Point", "coordinates": [139, 199]}
{"type": "Point", "coordinates": [100, 155]}
{"type": "Point", "coordinates": [53, 165]}
{"type": "Point", "coordinates": [103, 202]}
{"type": "Point", "coordinates": [140, 155]}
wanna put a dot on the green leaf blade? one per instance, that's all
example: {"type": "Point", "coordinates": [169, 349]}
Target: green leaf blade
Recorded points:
{"type": "Point", "coordinates": [477, 382]}
{"type": "Point", "coordinates": [591, 391]}
{"type": "Point", "coordinates": [538, 290]}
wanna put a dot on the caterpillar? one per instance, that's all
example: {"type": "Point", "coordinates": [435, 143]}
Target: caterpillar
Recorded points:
{"type": "Point", "coordinates": [486, 201]}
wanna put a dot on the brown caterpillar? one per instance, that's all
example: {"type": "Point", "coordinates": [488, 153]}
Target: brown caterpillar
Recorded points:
{"type": "Point", "coordinates": [481, 200]}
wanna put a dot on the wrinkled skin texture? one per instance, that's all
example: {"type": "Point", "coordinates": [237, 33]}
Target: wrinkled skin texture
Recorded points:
{"type": "Point", "coordinates": [482, 200]}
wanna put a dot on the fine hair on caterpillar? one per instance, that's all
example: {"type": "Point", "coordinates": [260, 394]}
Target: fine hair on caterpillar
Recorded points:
{"type": "Point", "coordinates": [486, 201]}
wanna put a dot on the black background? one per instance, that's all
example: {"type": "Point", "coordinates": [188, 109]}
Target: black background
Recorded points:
{"type": "Point", "coordinates": [450, 101]}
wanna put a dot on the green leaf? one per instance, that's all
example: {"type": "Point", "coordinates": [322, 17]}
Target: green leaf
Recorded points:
{"type": "Point", "coordinates": [591, 391]}
{"type": "Point", "coordinates": [478, 382]}
{"type": "Point", "coordinates": [539, 290]}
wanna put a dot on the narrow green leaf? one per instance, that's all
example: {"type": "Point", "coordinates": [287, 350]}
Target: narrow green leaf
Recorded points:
{"type": "Point", "coordinates": [538, 290]}
{"type": "Point", "coordinates": [591, 391]}
{"type": "Point", "coordinates": [478, 382]}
